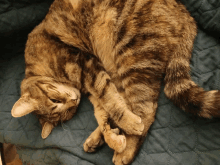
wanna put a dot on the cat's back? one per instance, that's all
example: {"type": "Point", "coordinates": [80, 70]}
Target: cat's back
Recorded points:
{"type": "Point", "coordinates": [46, 55]}
{"type": "Point", "coordinates": [111, 28]}
{"type": "Point", "coordinates": [129, 27]}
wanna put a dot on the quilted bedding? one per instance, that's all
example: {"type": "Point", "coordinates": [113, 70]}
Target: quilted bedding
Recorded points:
{"type": "Point", "coordinates": [175, 137]}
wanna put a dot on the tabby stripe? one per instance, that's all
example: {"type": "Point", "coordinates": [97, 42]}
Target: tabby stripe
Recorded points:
{"type": "Point", "coordinates": [121, 32]}
{"type": "Point", "coordinates": [104, 90]}
{"type": "Point", "coordinates": [128, 8]}
{"type": "Point", "coordinates": [62, 60]}
{"type": "Point", "coordinates": [119, 5]}
{"type": "Point", "coordinates": [52, 67]}
{"type": "Point", "coordinates": [51, 37]}
{"type": "Point", "coordinates": [192, 102]}
{"type": "Point", "coordinates": [30, 73]}
{"type": "Point", "coordinates": [215, 109]}
{"type": "Point", "coordinates": [142, 79]}
{"type": "Point", "coordinates": [45, 93]}
{"type": "Point", "coordinates": [147, 72]}
{"type": "Point", "coordinates": [143, 8]}
{"type": "Point", "coordinates": [174, 88]}
{"type": "Point", "coordinates": [177, 69]}
{"type": "Point", "coordinates": [120, 115]}
{"type": "Point", "coordinates": [100, 79]}
{"type": "Point", "coordinates": [139, 41]}
{"type": "Point", "coordinates": [141, 12]}
{"type": "Point", "coordinates": [210, 99]}
{"type": "Point", "coordinates": [139, 92]}
{"type": "Point", "coordinates": [94, 77]}
{"type": "Point", "coordinates": [127, 65]}
{"type": "Point", "coordinates": [146, 52]}
{"type": "Point", "coordinates": [72, 27]}
{"type": "Point", "coordinates": [64, 18]}
{"type": "Point", "coordinates": [143, 101]}
{"type": "Point", "coordinates": [179, 62]}
{"type": "Point", "coordinates": [117, 114]}
{"type": "Point", "coordinates": [121, 90]}
{"type": "Point", "coordinates": [96, 72]}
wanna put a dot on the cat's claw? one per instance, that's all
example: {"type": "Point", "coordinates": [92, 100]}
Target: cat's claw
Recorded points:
{"type": "Point", "coordinates": [131, 123]}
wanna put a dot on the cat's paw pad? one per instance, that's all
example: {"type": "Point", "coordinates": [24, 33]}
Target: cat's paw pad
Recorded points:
{"type": "Point", "coordinates": [92, 142]}
{"type": "Point", "coordinates": [131, 124]}
{"type": "Point", "coordinates": [123, 158]}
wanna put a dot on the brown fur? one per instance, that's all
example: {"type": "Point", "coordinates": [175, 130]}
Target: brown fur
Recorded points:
{"type": "Point", "coordinates": [134, 44]}
{"type": "Point", "coordinates": [51, 89]}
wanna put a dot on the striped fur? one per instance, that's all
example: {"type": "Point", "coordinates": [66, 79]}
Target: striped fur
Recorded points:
{"type": "Point", "coordinates": [119, 51]}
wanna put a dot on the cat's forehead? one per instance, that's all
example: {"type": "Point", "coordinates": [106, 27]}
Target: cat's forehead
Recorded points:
{"type": "Point", "coordinates": [64, 89]}
{"type": "Point", "coordinates": [68, 90]}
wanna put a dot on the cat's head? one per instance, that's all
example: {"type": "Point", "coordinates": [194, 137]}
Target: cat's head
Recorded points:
{"type": "Point", "coordinates": [52, 101]}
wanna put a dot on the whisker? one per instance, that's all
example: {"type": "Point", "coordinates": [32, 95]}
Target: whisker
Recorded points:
{"type": "Point", "coordinates": [62, 124]}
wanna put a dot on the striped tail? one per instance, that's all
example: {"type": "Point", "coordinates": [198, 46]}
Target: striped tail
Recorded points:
{"type": "Point", "coordinates": [184, 92]}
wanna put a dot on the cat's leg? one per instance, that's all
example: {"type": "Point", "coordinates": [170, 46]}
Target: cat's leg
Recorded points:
{"type": "Point", "coordinates": [98, 83]}
{"type": "Point", "coordinates": [140, 88]}
{"type": "Point", "coordinates": [111, 136]}
{"type": "Point", "coordinates": [93, 141]}
{"type": "Point", "coordinates": [133, 142]}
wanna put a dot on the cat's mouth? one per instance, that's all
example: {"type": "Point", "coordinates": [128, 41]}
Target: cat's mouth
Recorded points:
{"type": "Point", "coordinates": [70, 112]}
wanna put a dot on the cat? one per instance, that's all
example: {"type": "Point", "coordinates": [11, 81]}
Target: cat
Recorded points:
{"type": "Point", "coordinates": [55, 76]}
{"type": "Point", "coordinates": [139, 44]}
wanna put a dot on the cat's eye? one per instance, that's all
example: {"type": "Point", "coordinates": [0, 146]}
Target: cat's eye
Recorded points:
{"type": "Point", "coordinates": [55, 101]}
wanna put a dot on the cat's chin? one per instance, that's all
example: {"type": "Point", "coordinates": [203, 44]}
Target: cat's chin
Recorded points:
{"type": "Point", "coordinates": [69, 114]}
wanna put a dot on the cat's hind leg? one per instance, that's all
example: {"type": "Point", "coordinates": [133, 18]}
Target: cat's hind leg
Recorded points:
{"type": "Point", "coordinates": [134, 141]}
{"type": "Point", "coordinates": [140, 87]}
{"type": "Point", "coordinates": [104, 132]}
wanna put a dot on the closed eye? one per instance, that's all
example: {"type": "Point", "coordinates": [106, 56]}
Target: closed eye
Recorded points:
{"type": "Point", "coordinates": [55, 101]}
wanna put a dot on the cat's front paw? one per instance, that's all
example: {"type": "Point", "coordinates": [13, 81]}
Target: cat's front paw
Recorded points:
{"type": "Point", "coordinates": [131, 123]}
{"type": "Point", "coordinates": [114, 140]}
{"type": "Point", "coordinates": [124, 158]}
{"type": "Point", "coordinates": [93, 141]}
{"type": "Point", "coordinates": [127, 156]}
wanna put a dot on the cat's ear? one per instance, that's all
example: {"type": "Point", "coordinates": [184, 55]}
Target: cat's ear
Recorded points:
{"type": "Point", "coordinates": [23, 107]}
{"type": "Point", "coordinates": [46, 130]}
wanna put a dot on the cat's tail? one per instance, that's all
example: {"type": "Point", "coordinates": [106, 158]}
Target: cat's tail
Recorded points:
{"type": "Point", "coordinates": [183, 91]}
{"type": "Point", "coordinates": [186, 94]}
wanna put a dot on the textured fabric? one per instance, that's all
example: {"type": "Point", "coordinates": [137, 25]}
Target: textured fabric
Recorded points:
{"type": "Point", "coordinates": [174, 138]}
{"type": "Point", "coordinates": [16, 15]}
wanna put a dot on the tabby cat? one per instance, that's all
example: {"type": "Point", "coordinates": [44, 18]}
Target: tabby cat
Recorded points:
{"type": "Point", "coordinates": [51, 89]}
{"type": "Point", "coordinates": [120, 52]}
